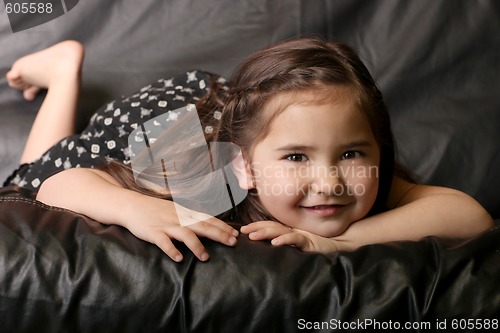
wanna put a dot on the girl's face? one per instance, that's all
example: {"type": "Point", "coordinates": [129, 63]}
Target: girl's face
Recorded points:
{"type": "Point", "coordinates": [317, 168]}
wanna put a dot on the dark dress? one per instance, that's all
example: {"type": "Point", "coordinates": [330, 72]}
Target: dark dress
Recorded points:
{"type": "Point", "coordinates": [107, 135]}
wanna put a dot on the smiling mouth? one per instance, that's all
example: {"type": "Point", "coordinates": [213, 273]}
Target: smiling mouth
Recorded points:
{"type": "Point", "coordinates": [324, 210]}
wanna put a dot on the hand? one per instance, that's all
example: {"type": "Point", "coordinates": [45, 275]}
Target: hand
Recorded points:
{"type": "Point", "coordinates": [280, 234]}
{"type": "Point", "coordinates": [156, 221]}
{"type": "Point", "coordinates": [98, 195]}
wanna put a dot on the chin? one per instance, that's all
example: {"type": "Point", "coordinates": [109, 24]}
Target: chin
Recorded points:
{"type": "Point", "coordinates": [329, 231]}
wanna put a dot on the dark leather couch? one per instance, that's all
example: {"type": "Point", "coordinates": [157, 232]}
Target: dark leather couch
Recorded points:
{"type": "Point", "coordinates": [62, 272]}
{"type": "Point", "coordinates": [436, 63]}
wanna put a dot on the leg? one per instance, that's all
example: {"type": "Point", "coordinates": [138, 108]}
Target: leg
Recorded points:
{"type": "Point", "coordinates": [57, 69]}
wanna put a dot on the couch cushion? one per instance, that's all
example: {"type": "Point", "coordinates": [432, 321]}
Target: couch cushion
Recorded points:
{"type": "Point", "coordinates": [63, 272]}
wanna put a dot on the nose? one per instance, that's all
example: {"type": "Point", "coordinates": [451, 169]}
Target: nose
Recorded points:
{"type": "Point", "coordinates": [327, 182]}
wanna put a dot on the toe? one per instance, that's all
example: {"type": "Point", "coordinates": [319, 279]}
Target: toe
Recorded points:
{"type": "Point", "coordinates": [30, 93]}
{"type": "Point", "coordinates": [14, 79]}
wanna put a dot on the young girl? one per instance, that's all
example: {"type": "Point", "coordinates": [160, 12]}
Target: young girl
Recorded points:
{"type": "Point", "coordinates": [318, 157]}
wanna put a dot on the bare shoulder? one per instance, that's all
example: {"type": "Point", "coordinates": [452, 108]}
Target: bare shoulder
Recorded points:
{"type": "Point", "coordinates": [71, 174]}
{"type": "Point", "coordinates": [403, 192]}
{"type": "Point", "coordinates": [104, 175]}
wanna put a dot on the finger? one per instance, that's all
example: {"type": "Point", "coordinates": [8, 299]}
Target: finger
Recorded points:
{"type": "Point", "coordinates": [166, 245]}
{"type": "Point", "coordinates": [190, 239]}
{"type": "Point", "coordinates": [214, 230]}
{"type": "Point", "coordinates": [292, 239]}
{"type": "Point", "coordinates": [220, 224]}
{"type": "Point", "coordinates": [189, 217]}
{"type": "Point", "coordinates": [254, 226]}
{"type": "Point", "coordinates": [269, 233]}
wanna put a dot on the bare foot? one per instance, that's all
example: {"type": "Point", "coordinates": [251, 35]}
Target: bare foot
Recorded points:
{"type": "Point", "coordinates": [40, 70]}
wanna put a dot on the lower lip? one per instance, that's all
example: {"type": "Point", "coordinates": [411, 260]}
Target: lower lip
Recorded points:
{"type": "Point", "coordinates": [324, 211]}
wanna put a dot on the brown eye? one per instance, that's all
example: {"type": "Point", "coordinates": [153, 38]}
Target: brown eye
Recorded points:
{"type": "Point", "coordinates": [348, 155]}
{"type": "Point", "coordinates": [296, 157]}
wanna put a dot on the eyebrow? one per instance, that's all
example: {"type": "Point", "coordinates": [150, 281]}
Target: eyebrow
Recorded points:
{"type": "Point", "coordinates": [356, 144]}
{"type": "Point", "coordinates": [294, 147]}
{"type": "Point", "coordinates": [349, 145]}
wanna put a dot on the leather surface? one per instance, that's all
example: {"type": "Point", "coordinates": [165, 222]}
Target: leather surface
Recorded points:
{"type": "Point", "coordinates": [62, 272]}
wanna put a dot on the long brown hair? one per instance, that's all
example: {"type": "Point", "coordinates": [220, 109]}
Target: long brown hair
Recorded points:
{"type": "Point", "coordinates": [124, 173]}
{"type": "Point", "coordinates": [302, 64]}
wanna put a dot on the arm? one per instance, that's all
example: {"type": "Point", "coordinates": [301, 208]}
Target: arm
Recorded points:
{"type": "Point", "coordinates": [96, 194]}
{"type": "Point", "coordinates": [417, 211]}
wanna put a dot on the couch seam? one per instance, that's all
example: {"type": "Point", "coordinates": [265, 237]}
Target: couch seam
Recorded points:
{"type": "Point", "coordinates": [32, 202]}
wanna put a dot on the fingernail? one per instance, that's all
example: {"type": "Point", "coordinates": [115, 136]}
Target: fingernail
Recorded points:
{"type": "Point", "coordinates": [178, 258]}
{"type": "Point", "coordinates": [232, 241]}
{"type": "Point", "coordinates": [275, 242]}
{"type": "Point", "coordinates": [235, 233]}
{"type": "Point", "coordinates": [204, 256]}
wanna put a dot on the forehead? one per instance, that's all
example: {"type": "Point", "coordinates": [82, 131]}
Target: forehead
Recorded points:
{"type": "Point", "coordinates": [276, 105]}
{"type": "Point", "coordinates": [332, 116]}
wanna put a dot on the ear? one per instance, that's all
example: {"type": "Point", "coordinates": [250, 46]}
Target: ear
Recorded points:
{"type": "Point", "coordinates": [242, 171]}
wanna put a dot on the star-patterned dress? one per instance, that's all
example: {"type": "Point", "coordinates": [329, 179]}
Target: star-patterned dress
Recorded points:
{"type": "Point", "coordinates": [106, 137]}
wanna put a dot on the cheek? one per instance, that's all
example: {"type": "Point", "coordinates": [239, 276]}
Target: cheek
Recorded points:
{"type": "Point", "coordinates": [279, 187]}
{"type": "Point", "coordinates": [364, 186]}
{"type": "Point", "coordinates": [371, 192]}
